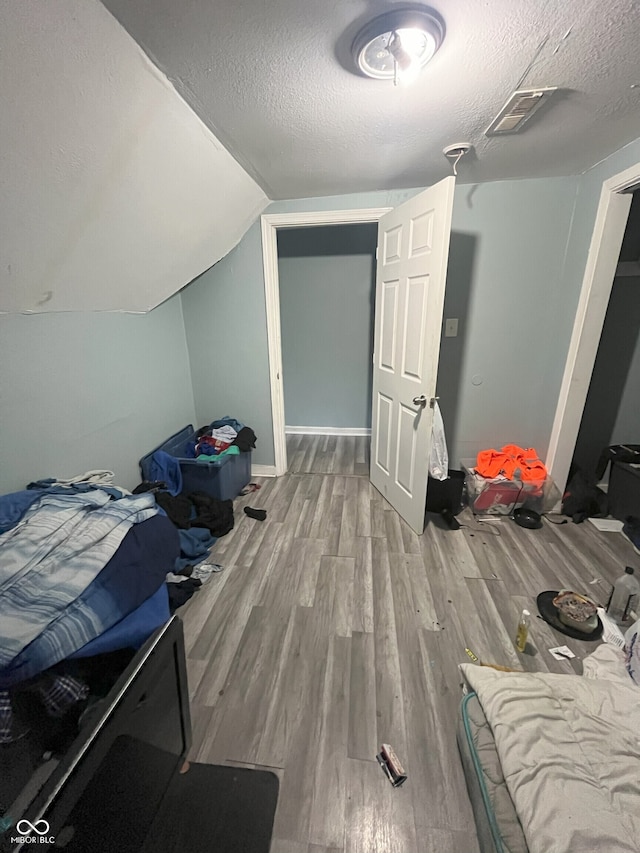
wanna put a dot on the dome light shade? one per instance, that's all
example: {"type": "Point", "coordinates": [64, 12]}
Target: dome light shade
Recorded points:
{"type": "Point", "coordinates": [398, 44]}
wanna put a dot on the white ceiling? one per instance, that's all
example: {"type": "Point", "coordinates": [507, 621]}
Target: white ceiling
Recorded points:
{"type": "Point", "coordinates": [275, 83]}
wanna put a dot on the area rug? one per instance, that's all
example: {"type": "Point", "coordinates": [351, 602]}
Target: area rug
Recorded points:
{"type": "Point", "coordinates": [216, 808]}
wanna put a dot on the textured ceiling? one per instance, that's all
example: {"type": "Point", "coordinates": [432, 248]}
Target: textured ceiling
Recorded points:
{"type": "Point", "coordinates": [274, 81]}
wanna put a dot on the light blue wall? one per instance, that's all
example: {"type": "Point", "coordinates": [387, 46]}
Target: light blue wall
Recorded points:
{"type": "Point", "coordinates": [226, 326]}
{"type": "Point", "coordinates": [90, 390]}
{"type": "Point", "coordinates": [518, 252]}
{"type": "Point", "coordinates": [508, 247]}
{"type": "Point", "coordinates": [80, 391]}
{"type": "Point", "coordinates": [327, 288]}
{"type": "Point", "coordinates": [498, 380]}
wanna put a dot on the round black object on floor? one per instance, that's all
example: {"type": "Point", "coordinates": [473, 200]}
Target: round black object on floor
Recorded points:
{"type": "Point", "coordinates": [549, 613]}
{"type": "Point", "coordinates": [528, 518]}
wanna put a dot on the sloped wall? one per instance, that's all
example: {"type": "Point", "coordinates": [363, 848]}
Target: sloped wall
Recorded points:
{"type": "Point", "coordinates": [80, 391]}
{"type": "Point", "coordinates": [114, 193]}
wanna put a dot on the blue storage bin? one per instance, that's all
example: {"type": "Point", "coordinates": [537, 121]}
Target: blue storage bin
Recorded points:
{"type": "Point", "coordinates": [223, 478]}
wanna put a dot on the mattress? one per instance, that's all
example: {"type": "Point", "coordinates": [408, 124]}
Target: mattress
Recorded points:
{"type": "Point", "coordinates": [497, 824]}
{"type": "Point", "coordinates": [569, 752]}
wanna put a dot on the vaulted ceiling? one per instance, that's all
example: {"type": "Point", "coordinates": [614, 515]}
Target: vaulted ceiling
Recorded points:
{"type": "Point", "coordinates": [141, 138]}
{"type": "Point", "coordinates": [276, 83]}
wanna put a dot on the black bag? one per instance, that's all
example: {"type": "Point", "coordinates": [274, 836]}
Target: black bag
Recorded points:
{"type": "Point", "coordinates": [583, 498]}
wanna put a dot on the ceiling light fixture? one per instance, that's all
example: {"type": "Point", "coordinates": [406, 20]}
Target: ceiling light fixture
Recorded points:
{"type": "Point", "coordinates": [397, 45]}
{"type": "Point", "coordinates": [455, 152]}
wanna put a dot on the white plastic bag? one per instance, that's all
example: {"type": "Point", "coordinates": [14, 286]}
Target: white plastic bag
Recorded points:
{"type": "Point", "coordinates": [439, 460]}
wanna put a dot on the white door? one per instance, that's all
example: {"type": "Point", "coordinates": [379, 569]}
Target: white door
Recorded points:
{"type": "Point", "coordinates": [413, 249]}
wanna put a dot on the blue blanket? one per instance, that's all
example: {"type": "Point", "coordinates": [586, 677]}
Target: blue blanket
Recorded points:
{"type": "Point", "coordinates": [132, 631]}
{"type": "Point", "coordinates": [64, 580]}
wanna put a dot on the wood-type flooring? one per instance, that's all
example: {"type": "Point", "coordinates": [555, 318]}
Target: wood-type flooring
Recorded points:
{"type": "Point", "coordinates": [334, 628]}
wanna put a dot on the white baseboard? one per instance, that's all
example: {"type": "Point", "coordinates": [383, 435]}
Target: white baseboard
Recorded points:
{"type": "Point", "coordinates": [320, 430]}
{"type": "Point", "coordinates": [263, 470]}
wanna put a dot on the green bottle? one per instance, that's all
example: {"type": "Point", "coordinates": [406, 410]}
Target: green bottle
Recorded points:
{"type": "Point", "coordinates": [523, 631]}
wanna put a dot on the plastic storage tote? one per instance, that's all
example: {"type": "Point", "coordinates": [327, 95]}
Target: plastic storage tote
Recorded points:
{"type": "Point", "coordinates": [487, 496]}
{"type": "Point", "coordinates": [500, 496]}
{"type": "Point", "coordinates": [223, 478]}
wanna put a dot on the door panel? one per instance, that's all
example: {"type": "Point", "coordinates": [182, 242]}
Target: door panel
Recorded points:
{"type": "Point", "coordinates": [383, 432]}
{"type": "Point", "coordinates": [415, 318]}
{"type": "Point", "coordinates": [421, 230]}
{"type": "Point", "coordinates": [388, 325]}
{"type": "Point", "coordinates": [413, 243]}
{"type": "Point", "coordinates": [392, 244]}
{"type": "Point", "coordinates": [406, 449]}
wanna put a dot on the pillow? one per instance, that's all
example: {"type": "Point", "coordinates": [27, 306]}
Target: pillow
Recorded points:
{"type": "Point", "coordinates": [632, 651]}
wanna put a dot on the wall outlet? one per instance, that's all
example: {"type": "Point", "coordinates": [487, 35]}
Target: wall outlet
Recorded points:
{"type": "Point", "coordinates": [451, 328]}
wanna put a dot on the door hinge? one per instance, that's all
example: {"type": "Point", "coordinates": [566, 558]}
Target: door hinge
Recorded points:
{"type": "Point", "coordinates": [376, 253]}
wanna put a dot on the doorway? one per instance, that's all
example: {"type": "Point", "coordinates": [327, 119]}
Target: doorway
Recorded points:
{"type": "Point", "coordinates": [610, 412]}
{"type": "Point", "coordinates": [327, 296]}
{"type": "Point", "coordinates": [271, 224]}
{"type": "Point", "coordinates": [411, 270]}
{"type": "Point", "coordinates": [604, 251]}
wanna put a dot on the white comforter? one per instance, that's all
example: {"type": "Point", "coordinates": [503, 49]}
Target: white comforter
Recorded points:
{"type": "Point", "coordinates": [570, 752]}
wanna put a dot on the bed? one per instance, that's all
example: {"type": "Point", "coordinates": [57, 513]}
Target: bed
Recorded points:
{"type": "Point", "coordinates": [497, 824]}
{"type": "Point", "coordinates": [552, 762]}
{"type": "Point", "coordinates": [82, 573]}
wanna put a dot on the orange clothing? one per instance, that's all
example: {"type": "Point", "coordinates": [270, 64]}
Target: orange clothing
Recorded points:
{"type": "Point", "coordinates": [510, 462]}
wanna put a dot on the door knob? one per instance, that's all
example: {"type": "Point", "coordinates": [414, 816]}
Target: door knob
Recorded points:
{"type": "Point", "coordinates": [420, 401]}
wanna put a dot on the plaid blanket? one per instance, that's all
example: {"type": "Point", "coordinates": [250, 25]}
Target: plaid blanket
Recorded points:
{"type": "Point", "coordinates": [57, 693]}
{"type": "Point", "coordinates": [48, 560]}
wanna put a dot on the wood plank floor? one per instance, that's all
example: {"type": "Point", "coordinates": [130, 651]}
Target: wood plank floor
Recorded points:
{"type": "Point", "coordinates": [334, 628]}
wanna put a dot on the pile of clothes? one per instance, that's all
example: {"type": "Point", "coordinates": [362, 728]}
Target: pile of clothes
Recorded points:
{"type": "Point", "coordinates": [505, 479]}
{"type": "Point", "coordinates": [200, 517]}
{"type": "Point", "coordinates": [225, 436]}
{"type": "Point", "coordinates": [511, 462]}
{"type": "Point", "coordinates": [200, 520]}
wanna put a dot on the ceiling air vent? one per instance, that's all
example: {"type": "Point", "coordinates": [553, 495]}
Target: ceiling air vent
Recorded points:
{"type": "Point", "coordinates": [518, 110]}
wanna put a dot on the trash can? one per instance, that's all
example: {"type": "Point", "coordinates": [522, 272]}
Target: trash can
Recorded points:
{"type": "Point", "coordinates": [446, 494]}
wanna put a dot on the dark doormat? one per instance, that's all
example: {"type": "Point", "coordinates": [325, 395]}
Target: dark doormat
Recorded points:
{"type": "Point", "coordinates": [213, 807]}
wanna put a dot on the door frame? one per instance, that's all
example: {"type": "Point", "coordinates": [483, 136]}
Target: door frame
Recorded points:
{"type": "Point", "coordinates": [269, 224]}
{"type": "Point", "coordinates": [597, 283]}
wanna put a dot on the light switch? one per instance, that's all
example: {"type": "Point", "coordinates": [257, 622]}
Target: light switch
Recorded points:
{"type": "Point", "coordinates": [451, 328]}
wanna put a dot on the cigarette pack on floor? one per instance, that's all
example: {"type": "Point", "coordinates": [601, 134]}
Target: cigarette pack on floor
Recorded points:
{"type": "Point", "coordinates": [390, 763]}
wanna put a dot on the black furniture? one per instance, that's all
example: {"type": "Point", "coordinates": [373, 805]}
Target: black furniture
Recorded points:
{"type": "Point", "coordinates": [104, 792]}
{"type": "Point", "coordinates": [124, 784]}
{"type": "Point", "coordinates": [624, 490]}
{"type": "Point", "coordinates": [617, 453]}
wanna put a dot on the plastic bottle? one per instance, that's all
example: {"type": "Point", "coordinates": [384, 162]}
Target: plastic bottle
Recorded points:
{"type": "Point", "coordinates": [523, 631]}
{"type": "Point", "coordinates": [624, 596]}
